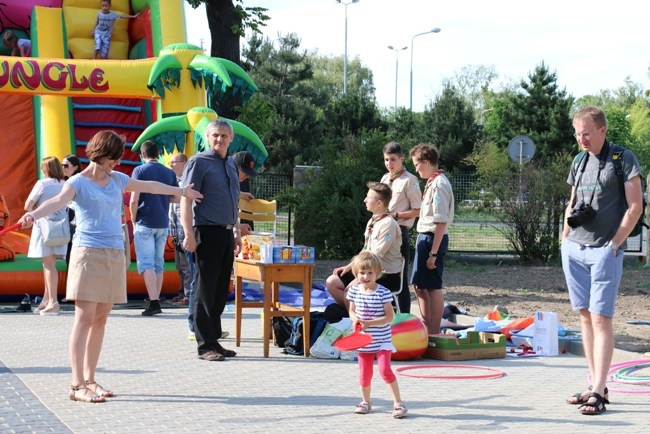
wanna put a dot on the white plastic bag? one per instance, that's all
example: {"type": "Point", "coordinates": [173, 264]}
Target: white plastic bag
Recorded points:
{"type": "Point", "coordinates": [323, 348]}
{"type": "Point", "coordinates": [545, 338]}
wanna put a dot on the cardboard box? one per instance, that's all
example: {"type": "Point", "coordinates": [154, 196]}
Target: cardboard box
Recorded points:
{"type": "Point", "coordinates": [266, 253]}
{"type": "Point", "coordinates": [251, 245]}
{"type": "Point", "coordinates": [477, 345]}
{"type": "Point", "coordinates": [283, 255]}
{"type": "Point", "coordinates": [304, 254]}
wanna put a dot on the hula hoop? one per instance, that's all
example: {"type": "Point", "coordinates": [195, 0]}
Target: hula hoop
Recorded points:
{"type": "Point", "coordinates": [495, 373]}
{"type": "Point", "coordinates": [622, 374]}
{"type": "Point", "coordinates": [613, 368]}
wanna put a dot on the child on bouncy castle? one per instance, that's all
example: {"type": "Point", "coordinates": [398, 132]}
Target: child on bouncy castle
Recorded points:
{"type": "Point", "coordinates": [104, 28]}
{"type": "Point", "coordinates": [19, 47]}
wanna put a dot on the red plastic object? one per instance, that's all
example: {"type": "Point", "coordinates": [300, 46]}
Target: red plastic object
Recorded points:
{"type": "Point", "coordinates": [355, 341]}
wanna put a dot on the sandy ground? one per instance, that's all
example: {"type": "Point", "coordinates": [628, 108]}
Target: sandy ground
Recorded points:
{"type": "Point", "coordinates": [523, 290]}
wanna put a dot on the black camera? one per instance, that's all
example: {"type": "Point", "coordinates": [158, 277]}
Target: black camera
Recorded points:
{"type": "Point", "coordinates": [581, 214]}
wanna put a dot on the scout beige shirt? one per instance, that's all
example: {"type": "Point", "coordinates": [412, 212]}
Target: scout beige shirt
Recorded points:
{"type": "Point", "coordinates": [406, 195]}
{"type": "Point", "coordinates": [385, 242]}
{"type": "Point", "coordinates": [437, 205]}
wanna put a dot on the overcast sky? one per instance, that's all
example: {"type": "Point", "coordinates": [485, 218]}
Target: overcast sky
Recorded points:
{"type": "Point", "coordinates": [591, 45]}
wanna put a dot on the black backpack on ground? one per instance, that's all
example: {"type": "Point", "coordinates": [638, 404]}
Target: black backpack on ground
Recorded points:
{"type": "Point", "coordinates": [294, 345]}
{"type": "Point", "coordinates": [335, 312]}
{"type": "Point", "coordinates": [282, 327]}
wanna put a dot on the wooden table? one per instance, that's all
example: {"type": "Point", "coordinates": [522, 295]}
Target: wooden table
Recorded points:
{"type": "Point", "coordinates": [270, 276]}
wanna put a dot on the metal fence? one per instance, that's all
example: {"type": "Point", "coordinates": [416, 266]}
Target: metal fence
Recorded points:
{"type": "Point", "coordinates": [270, 186]}
{"type": "Point", "coordinates": [473, 230]}
{"type": "Point", "coordinates": [476, 227]}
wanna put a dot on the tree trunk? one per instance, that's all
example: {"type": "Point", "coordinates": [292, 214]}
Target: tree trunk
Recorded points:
{"type": "Point", "coordinates": [221, 19]}
{"type": "Point", "coordinates": [225, 44]}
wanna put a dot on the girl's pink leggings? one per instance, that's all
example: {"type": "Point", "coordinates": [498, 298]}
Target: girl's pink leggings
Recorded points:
{"type": "Point", "coordinates": [383, 363]}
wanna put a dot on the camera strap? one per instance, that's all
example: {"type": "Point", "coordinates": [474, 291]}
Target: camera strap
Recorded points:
{"type": "Point", "coordinates": [602, 159]}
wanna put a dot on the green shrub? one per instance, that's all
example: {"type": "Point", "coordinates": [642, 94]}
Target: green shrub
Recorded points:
{"type": "Point", "coordinates": [330, 213]}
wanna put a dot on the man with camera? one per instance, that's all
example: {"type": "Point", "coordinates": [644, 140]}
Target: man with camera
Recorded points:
{"type": "Point", "coordinates": [599, 217]}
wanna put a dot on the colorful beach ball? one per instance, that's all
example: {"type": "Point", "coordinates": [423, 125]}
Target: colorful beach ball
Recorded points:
{"type": "Point", "coordinates": [409, 337]}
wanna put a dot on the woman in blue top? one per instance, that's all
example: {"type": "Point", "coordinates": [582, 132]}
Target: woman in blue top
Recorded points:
{"type": "Point", "coordinates": [97, 270]}
{"type": "Point", "coordinates": [371, 307]}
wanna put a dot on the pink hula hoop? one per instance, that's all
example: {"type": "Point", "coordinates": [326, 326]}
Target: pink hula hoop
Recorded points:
{"type": "Point", "coordinates": [494, 373]}
{"type": "Point", "coordinates": [616, 366]}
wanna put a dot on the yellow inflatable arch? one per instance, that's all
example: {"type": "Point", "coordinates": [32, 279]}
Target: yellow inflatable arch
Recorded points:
{"type": "Point", "coordinates": [169, 79]}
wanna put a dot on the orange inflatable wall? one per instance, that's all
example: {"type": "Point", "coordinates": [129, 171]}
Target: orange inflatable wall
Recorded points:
{"type": "Point", "coordinates": [18, 169]}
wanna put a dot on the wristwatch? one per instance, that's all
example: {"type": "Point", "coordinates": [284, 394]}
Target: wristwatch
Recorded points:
{"type": "Point", "coordinates": [432, 255]}
{"type": "Point", "coordinates": [613, 246]}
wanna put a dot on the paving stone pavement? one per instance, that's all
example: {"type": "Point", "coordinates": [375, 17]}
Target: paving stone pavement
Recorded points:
{"type": "Point", "coordinates": [162, 387]}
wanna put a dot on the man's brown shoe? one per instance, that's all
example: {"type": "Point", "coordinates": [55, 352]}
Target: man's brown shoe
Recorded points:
{"type": "Point", "coordinates": [212, 356]}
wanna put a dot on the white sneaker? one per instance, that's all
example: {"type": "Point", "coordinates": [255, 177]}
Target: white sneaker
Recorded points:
{"type": "Point", "coordinates": [363, 408]}
{"type": "Point", "coordinates": [399, 411]}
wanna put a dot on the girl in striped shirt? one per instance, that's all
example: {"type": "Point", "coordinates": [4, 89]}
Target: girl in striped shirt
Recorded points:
{"type": "Point", "coordinates": [370, 306]}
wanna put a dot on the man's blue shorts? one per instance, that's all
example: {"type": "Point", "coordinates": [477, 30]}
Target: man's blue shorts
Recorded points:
{"type": "Point", "coordinates": [593, 276]}
{"type": "Point", "coordinates": [150, 248]}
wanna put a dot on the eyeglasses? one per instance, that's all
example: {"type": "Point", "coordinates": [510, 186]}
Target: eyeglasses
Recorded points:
{"type": "Point", "coordinates": [584, 135]}
{"type": "Point", "coordinates": [418, 163]}
{"type": "Point", "coordinates": [65, 165]}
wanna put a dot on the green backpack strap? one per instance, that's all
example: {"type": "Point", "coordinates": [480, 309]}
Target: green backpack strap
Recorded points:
{"type": "Point", "coordinates": [578, 159]}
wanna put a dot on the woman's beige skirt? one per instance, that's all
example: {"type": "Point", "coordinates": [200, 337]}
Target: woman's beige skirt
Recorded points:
{"type": "Point", "coordinates": [97, 275]}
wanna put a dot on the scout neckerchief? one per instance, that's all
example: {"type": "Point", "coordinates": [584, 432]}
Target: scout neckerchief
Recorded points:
{"type": "Point", "coordinates": [375, 218]}
{"type": "Point", "coordinates": [394, 176]}
{"type": "Point", "coordinates": [430, 181]}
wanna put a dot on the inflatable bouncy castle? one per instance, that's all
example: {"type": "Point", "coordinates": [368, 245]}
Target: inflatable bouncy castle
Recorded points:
{"type": "Point", "coordinates": [153, 86]}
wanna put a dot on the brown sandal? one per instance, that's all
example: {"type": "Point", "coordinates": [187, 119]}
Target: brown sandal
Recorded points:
{"type": "Point", "coordinates": [99, 390]}
{"type": "Point", "coordinates": [87, 396]}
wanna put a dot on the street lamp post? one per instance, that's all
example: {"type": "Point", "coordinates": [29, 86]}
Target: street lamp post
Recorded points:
{"type": "Point", "coordinates": [345, 59]}
{"type": "Point", "coordinates": [434, 30]}
{"type": "Point", "coordinates": [481, 116]}
{"type": "Point", "coordinates": [396, 50]}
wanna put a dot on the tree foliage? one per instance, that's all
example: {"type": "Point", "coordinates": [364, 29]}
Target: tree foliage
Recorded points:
{"type": "Point", "coordinates": [528, 200]}
{"type": "Point", "coordinates": [628, 118]}
{"type": "Point", "coordinates": [449, 122]}
{"type": "Point", "coordinates": [309, 111]}
{"type": "Point", "coordinates": [330, 214]}
{"type": "Point", "coordinates": [228, 20]}
{"type": "Point", "coordinates": [539, 109]}
{"type": "Point", "coordinates": [533, 210]}
{"type": "Point", "coordinates": [473, 83]}
{"type": "Point", "coordinates": [239, 17]}
{"type": "Point", "coordinates": [639, 119]}
{"type": "Point", "coordinates": [303, 117]}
